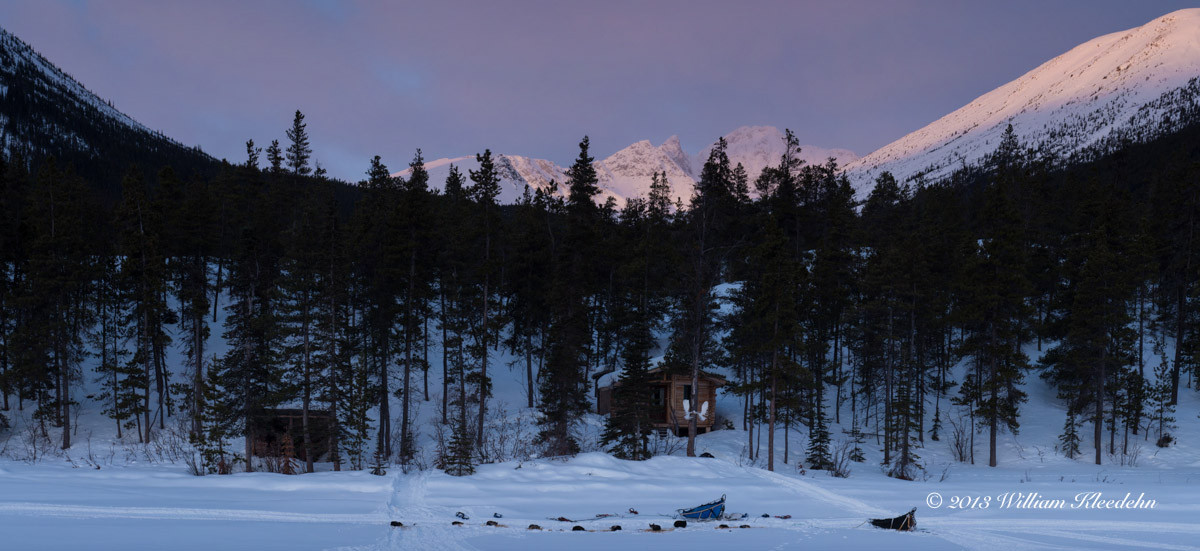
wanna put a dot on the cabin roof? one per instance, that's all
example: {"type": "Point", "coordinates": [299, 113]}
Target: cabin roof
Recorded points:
{"type": "Point", "coordinates": [611, 378]}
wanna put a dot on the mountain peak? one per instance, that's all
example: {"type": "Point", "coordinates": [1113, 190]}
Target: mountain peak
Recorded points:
{"type": "Point", "coordinates": [758, 147]}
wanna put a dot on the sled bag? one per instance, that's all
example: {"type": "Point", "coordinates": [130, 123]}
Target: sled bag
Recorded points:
{"type": "Point", "coordinates": [708, 511]}
{"type": "Point", "coordinates": [904, 523]}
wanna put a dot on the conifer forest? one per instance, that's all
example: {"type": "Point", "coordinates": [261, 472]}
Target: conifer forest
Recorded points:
{"type": "Point", "coordinates": [825, 307]}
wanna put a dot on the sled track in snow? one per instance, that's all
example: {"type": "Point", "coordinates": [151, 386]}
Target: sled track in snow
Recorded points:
{"type": "Point", "coordinates": [179, 513]}
{"type": "Point", "coordinates": [1005, 534]}
{"type": "Point", "coordinates": [429, 528]}
{"type": "Point", "coordinates": [816, 492]}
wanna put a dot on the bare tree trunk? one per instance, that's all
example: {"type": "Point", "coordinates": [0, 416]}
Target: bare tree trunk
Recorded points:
{"type": "Point", "coordinates": [771, 411]}
{"type": "Point", "coordinates": [425, 354]}
{"type": "Point", "coordinates": [483, 376]}
{"type": "Point", "coordinates": [385, 415]}
{"type": "Point", "coordinates": [837, 366]}
{"type": "Point", "coordinates": [65, 400]}
{"type": "Point", "coordinates": [445, 352]}
{"type": "Point", "coordinates": [307, 372]}
{"type": "Point", "coordinates": [405, 440]}
{"type": "Point", "coordinates": [887, 408]}
{"type": "Point", "coordinates": [1098, 428]}
{"type": "Point", "coordinates": [697, 343]}
{"type": "Point", "coordinates": [529, 369]}
{"type": "Point", "coordinates": [197, 372]}
{"type": "Point", "coordinates": [146, 361]}
{"type": "Point", "coordinates": [217, 292]}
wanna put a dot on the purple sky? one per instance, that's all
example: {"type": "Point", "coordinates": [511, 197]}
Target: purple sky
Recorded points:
{"type": "Point", "coordinates": [531, 78]}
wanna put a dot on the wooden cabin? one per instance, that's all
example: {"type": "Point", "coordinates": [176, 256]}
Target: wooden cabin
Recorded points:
{"type": "Point", "coordinates": [271, 425]}
{"type": "Point", "coordinates": [669, 392]}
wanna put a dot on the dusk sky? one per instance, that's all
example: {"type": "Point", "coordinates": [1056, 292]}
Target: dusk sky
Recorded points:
{"type": "Point", "coordinates": [531, 78]}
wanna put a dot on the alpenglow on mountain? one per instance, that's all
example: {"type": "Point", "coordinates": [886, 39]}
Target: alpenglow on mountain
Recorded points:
{"type": "Point", "coordinates": [628, 172]}
{"type": "Point", "coordinates": [1131, 85]}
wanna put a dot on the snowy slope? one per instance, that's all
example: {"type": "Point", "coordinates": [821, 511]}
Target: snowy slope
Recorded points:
{"type": "Point", "coordinates": [628, 172]}
{"type": "Point", "coordinates": [46, 112]}
{"type": "Point", "coordinates": [24, 70]}
{"type": "Point", "coordinates": [15, 53]}
{"type": "Point", "coordinates": [1132, 84]}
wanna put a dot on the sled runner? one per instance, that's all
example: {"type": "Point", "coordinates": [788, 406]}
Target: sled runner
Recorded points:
{"type": "Point", "coordinates": [904, 523]}
{"type": "Point", "coordinates": [708, 511]}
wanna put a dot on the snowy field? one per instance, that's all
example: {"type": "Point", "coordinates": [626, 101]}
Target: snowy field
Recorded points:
{"type": "Point", "coordinates": [110, 494]}
{"type": "Point", "coordinates": [54, 506]}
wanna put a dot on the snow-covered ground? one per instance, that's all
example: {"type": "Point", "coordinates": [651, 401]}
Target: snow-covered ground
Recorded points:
{"type": "Point", "coordinates": [51, 505]}
{"type": "Point", "coordinates": [110, 494]}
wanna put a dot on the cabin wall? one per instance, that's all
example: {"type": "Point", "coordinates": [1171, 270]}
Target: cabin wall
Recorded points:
{"type": "Point", "coordinates": [671, 412]}
{"type": "Point", "coordinates": [707, 393]}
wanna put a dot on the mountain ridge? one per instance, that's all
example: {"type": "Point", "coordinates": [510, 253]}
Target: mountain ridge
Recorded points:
{"type": "Point", "coordinates": [1128, 85]}
{"type": "Point", "coordinates": [627, 173]}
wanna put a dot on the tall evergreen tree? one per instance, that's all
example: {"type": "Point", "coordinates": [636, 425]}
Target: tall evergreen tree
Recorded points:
{"type": "Point", "coordinates": [996, 304]}
{"type": "Point", "coordinates": [484, 191]}
{"type": "Point", "coordinates": [563, 386]}
{"type": "Point", "coordinates": [299, 151]}
{"type": "Point", "coordinates": [706, 246]}
{"type": "Point", "coordinates": [145, 279]}
{"type": "Point", "coordinates": [414, 222]}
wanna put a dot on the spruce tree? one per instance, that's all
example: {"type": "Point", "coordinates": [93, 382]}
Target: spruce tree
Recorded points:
{"type": "Point", "coordinates": [408, 251]}
{"type": "Point", "coordinates": [996, 303]}
{"type": "Point", "coordinates": [298, 151]}
{"type": "Point", "coordinates": [274, 157]}
{"type": "Point", "coordinates": [484, 190]}
{"type": "Point", "coordinates": [706, 245]}
{"type": "Point", "coordinates": [563, 385]}
{"type": "Point", "coordinates": [630, 421]}
{"type": "Point", "coordinates": [461, 455]}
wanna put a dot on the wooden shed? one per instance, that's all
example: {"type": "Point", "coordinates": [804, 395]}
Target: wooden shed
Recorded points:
{"type": "Point", "coordinates": [271, 425]}
{"type": "Point", "coordinates": [669, 392]}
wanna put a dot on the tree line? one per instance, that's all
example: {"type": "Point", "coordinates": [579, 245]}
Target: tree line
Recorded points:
{"type": "Point", "coordinates": [825, 308]}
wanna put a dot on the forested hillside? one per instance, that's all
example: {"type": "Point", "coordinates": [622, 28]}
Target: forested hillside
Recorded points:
{"type": "Point", "coordinates": [841, 312]}
{"type": "Point", "coordinates": [45, 113]}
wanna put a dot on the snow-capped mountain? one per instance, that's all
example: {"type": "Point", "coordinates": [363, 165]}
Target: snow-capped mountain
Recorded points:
{"type": "Point", "coordinates": [628, 172]}
{"type": "Point", "coordinates": [44, 111]}
{"type": "Point", "coordinates": [1129, 85]}
{"type": "Point", "coordinates": [757, 147]}
{"type": "Point", "coordinates": [515, 173]}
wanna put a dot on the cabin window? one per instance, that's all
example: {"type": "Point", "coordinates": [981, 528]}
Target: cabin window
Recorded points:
{"type": "Point", "coordinates": [659, 396]}
{"type": "Point", "coordinates": [687, 392]}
